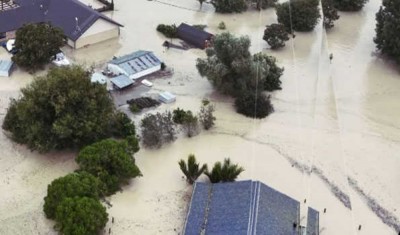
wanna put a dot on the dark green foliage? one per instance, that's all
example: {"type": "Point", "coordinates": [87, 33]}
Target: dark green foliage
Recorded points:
{"type": "Point", "coordinates": [387, 38]}
{"type": "Point", "coordinates": [206, 115]}
{"type": "Point", "coordinates": [157, 129]}
{"type": "Point", "coordinates": [169, 31]}
{"type": "Point", "coordinates": [138, 104]}
{"type": "Point", "coordinates": [200, 26]}
{"type": "Point", "coordinates": [227, 172]}
{"type": "Point", "coordinates": [179, 115]}
{"type": "Point", "coordinates": [269, 70]}
{"type": "Point", "coordinates": [190, 124]}
{"type": "Point", "coordinates": [37, 44]}
{"type": "Point", "coordinates": [252, 105]}
{"type": "Point", "coordinates": [163, 66]}
{"type": "Point", "coordinates": [122, 126]}
{"type": "Point", "coordinates": [191, 169]}
{"type": "Point", "coordinates": [110, 161]}
{"type": "Point", "coordinates": [60, 110]}
{"type": "Point", "coordinates": [276, 35]}
{"type": "Point", "coordinates": [221, 25]}
{"type": "Point", "coordinates": [229, 6]}
{"type": "Point", "coordinates": [79, 184]}
{"type": "Point", "coordinates": [300, 15]}
{"type": "Point", "coordinates": [80, 216]}
{"type": "Point", "coordinates": [264, 4]}
{"type": "Point", "coordinates": [349, 5]}
{"type": "Point", "coordinates": [330, 13]}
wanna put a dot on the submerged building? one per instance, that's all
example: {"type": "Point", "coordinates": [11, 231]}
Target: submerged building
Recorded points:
{"type": "Point", "coordinates": [194, 36]}
{"type": "Point", "coordinates": [245, 208]}
{"type": "Point", "coordinates": [81, 24]}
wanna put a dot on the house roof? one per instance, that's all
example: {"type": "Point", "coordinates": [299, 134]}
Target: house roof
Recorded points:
{"type": "Point", "coordinates": [193, 35]}
{"type": "Point", "coordinates": [243, 207]}
{"type": "Point", "coordinates": [5, 65]}
{"type": "Point", "coordinates": [136, 62]}
{"type": "Point", "coordinates": [59, 13]}
{"type": "Point", "coordinates": [121, 81]}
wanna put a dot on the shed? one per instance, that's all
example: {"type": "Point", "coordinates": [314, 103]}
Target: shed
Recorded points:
{"type": "Point", "coordinates": [243, 208]}
{"type": "Point", "coordinates": [194, 36]}
{"type": "Point", "coordinates": [99, 78]}
{"type": "Point", "coordinates": [166, 97]}
{"type": "Point", "coordinates": [121, 82]}
{"type": "Point", "coordinates": [5, 68]}
{"type": "Point", "coordinates": [135, 65]}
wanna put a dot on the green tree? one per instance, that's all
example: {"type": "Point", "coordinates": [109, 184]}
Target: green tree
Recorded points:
{"type": "Point", "coordinates": [192, 169]}
{"type": "Point", "coordinates": [80, 184]}
{"type": "Point", "coordinates": [254, 105]}
{"type": "Point", "coordinates": [110, 161]}
{"type": "Point", "coordinates": [229, 6]}
{"type": "Point", "coordinates": [179, 115]}
{"type": "Point", "coordinates": [387, 37]}
{"type": "Point", "coordinates": [264, 4]}
{"type": "Point", "coordinates": [157, 129]}
{"type": "Point", "coordinates": [122, 126]}
{"type": "Point", "coordinates": [226, 172]}
{"type": "Point", "coordinates": [190, 124]}
{"type": "Point", "coordinates": [269, 70]}
{"type": "Point", "coordinates": [60, 110]}
{"type": "Point", "coordinates": [80, 216]}
{"type": "Point", "coordinates": [298, 15]}
{"type": "Point", "coordinates": [206, 114]}
{"type": "Point", "coordinates": [37, 44]}
{"type": "Point", "coordinates": [169, 31]}
{"type": "Point", "coordinates": [349, 5]}
{"type": "Point", "coordinates": [276, 35]}
{"type": "Point", "coordinates": [330, 13]}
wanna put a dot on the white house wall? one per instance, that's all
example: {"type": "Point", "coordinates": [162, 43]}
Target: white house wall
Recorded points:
{"type": "Point", "coordinates": [145, 72]}
{"type": "Point", "coordinates": [100, 31]}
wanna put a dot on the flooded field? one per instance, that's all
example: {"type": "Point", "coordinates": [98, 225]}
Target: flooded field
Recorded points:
{"type": "Point", "coordinates": [334, 138]}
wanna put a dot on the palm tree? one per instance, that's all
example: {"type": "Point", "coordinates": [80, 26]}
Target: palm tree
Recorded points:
{"type": "Point", "coordinates": [191, 170]}
{"type": "Point", "coordinates": [224, 173]}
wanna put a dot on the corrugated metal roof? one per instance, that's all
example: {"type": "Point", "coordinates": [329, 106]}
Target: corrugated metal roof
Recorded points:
{"type": "Point", "coordinates": [5, 65]}
{"type": "Point", "coordinates": [136, 61]}
{"type": "Point", "coordinates": [121, 81]}
{"type": "Point", "coordinates": [243, 207]}
{"type": "Point", "coordinates": [312, 222]}
{"type": "Point", "coordinates": [193, 35]}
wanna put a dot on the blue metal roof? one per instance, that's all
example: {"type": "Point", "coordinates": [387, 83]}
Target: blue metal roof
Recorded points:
{"type": "Point", "coordinates": [121, 81]}
{"type": "Point", "coordinates": [243, 207]}
{"type": "Point", "coordinates": [136, 61]}
{"type": "Point", "coordinates": [312, 222]}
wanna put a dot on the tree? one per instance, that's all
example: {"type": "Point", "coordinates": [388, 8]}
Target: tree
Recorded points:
{"type": "Point", "coordinates": [110, 161]}
{"type": "Point", "coordinates": [349, 5]}
{"type": "Point", "coordinates": [229, 6]}
{"type": "Point", "coordinates": [254, 105]}
{"type": "Point", "coordinates": [269, 70]}
{"type": "Point", "coordinates": [37, 44]}
{"type": "Point", "coordinates": [80, 216]}
{"type": "Point", "coordinates": [264, 4]}
{"type": "Point", "coordinates": [157, 129]}
{"type": "Point", "coordinates": [227, 172]}
{"type": "Point", "coordinates": [276, 35]}
{"type": "Point", "coordinates": [179, 115]}
{"type": "Point", "coordinates": [190, 124]}
{"type": "Point", "coordinates": [298, 15]}
{"type": "Point", "coordinates": [206, 114]}
{"type": "Point", "coordinates": [169, 31]}
{"type": "Point", "coordinates": [80, 184]}
{"type": "Point", "coordinates": [122, 126]}
{"type": "Point", "coordinates": [387, 37]}
{"type": "Point", "coordinates": [192, 169]}
{"type": "Point", "coordinates": [330, 13]}
{"type": "Point", "coordinates": [60, 110]}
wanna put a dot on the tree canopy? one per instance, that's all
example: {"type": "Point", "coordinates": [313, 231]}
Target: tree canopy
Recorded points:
{"type": "Point", "coordinates": [80, 184]}
{"type": "Point", "coordinates": [226, 172]}
{"type": "Point", "coordinates": [37, 44]}
{"type": "Point", "coordinates": [110, 161]}
{"type": "Point", "coordinates": [206, 114]}
{"type": "Point", "coordinates": [298, 15]}
{"type": "Point", "coordinates": [387, 37]}
{"type": "Point", "coordinates": [276, 35]}
{"type": "Point", "coordinates": [80, 216]}
{"type": "Point", "coordinates": [330, 13]}
{"type": "Point", "coordinates": [229, 6]}
{"type": "Point", "coordinates": [255, 105]}
{"type": "Point", "coordinates": [157, 129]}
{"type": "Point", "coordinates": [349, 5]}
{"type": "Point", "coordinates": [62, 109]}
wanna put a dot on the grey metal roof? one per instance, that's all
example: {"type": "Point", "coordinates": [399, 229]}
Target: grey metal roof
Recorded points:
{"type": "Point", "coordinates": [121, 81]}
{"type": "Point", "coordinates": [59, 13]}
{"type": "Point", "coordinates": [5, 65]}
{"type": "Point", "coordinates": [136, 61]}
{"type": "Point", "coordinates": [312, 222]}
{"type": "Point", "coordinates": [193, 36]}
{"type": "Point", "coordinates": [243, 207]}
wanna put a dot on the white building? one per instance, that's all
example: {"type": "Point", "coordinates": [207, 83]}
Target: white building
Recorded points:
{"type": "Point", "coordinates": [5, 68]}
{"type": "Point", "coordinates": [135, 65]}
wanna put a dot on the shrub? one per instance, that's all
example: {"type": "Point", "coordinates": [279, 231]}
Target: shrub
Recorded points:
{"type": "Point", "coordinates": [138, 104]}
{"type": "Point", "coordinates": [179, 115]}
{"type": "Point", "coordinates": [191, 169]}
{"type": "Point", "coordinates": [80, 216]}
{"type": "Point", "coordinates": [169, 31]}
{"type": "Point", "coordinates": [330, 13]}
{"type": "Point", "coordinates": [221, 25]}
{"type": "Point", "coordinates": [157, 129]}
{"type": "Point", "coordinates": [301, 15]}
{"type": "Point", "coordinates": [276, 35]}
{"type": "Point", "coordinates": [229, 6]}
{"type": "Point", "coordinates": [190, 124]}
{"type": "Point", "coordinates": [349, 5]}
{"type": "Point", "coordinates": [227, 172]}
{"type": "Point", "coordinates": [256, 106]}
{"type": "Point", "coordinates": [200, 26]}
{"type": "Point", "coordinates": [206, 115]}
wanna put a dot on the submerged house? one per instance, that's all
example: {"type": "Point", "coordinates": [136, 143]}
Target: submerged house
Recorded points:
{"type": "Point", "coordinates": [245, 208]}
{"type": "Point", "coordinates": [135, 65]}
{"type": "Point", "coordinates": [194, 36]}
{"type": "Point", "coordinates": [81, 24]}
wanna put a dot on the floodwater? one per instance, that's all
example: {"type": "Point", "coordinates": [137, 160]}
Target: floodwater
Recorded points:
{"type": "Point", "coordinates": [333, 139]}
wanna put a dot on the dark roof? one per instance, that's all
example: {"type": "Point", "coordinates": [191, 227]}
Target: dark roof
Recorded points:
{"type": "Point", "coordinates": [193, 36]}
{"type": "Point", "coordinates": [59, 13]}
{"type": "Point", "coordinates": [243, 207]}
{"type": "Point", "coordinates": [312, 222]}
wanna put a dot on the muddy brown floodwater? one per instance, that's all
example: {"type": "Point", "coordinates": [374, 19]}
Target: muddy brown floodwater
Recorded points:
{"type": "Point", "coordinates": [334, 138]}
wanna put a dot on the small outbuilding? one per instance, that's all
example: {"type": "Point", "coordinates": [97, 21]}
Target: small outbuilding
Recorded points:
{"type": "Point", "coordinates": [5, 68]}
{"type": "Point", "coordinates": [99, 78]}
{"type": "Point", "coordinates": [166, 97]}
{"type": "Point", "coordinates": [194, 36]}
{"type": "Point", "coordinates": [135, 65]}
{"type": "Point", "coordinates": [121, 82]}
